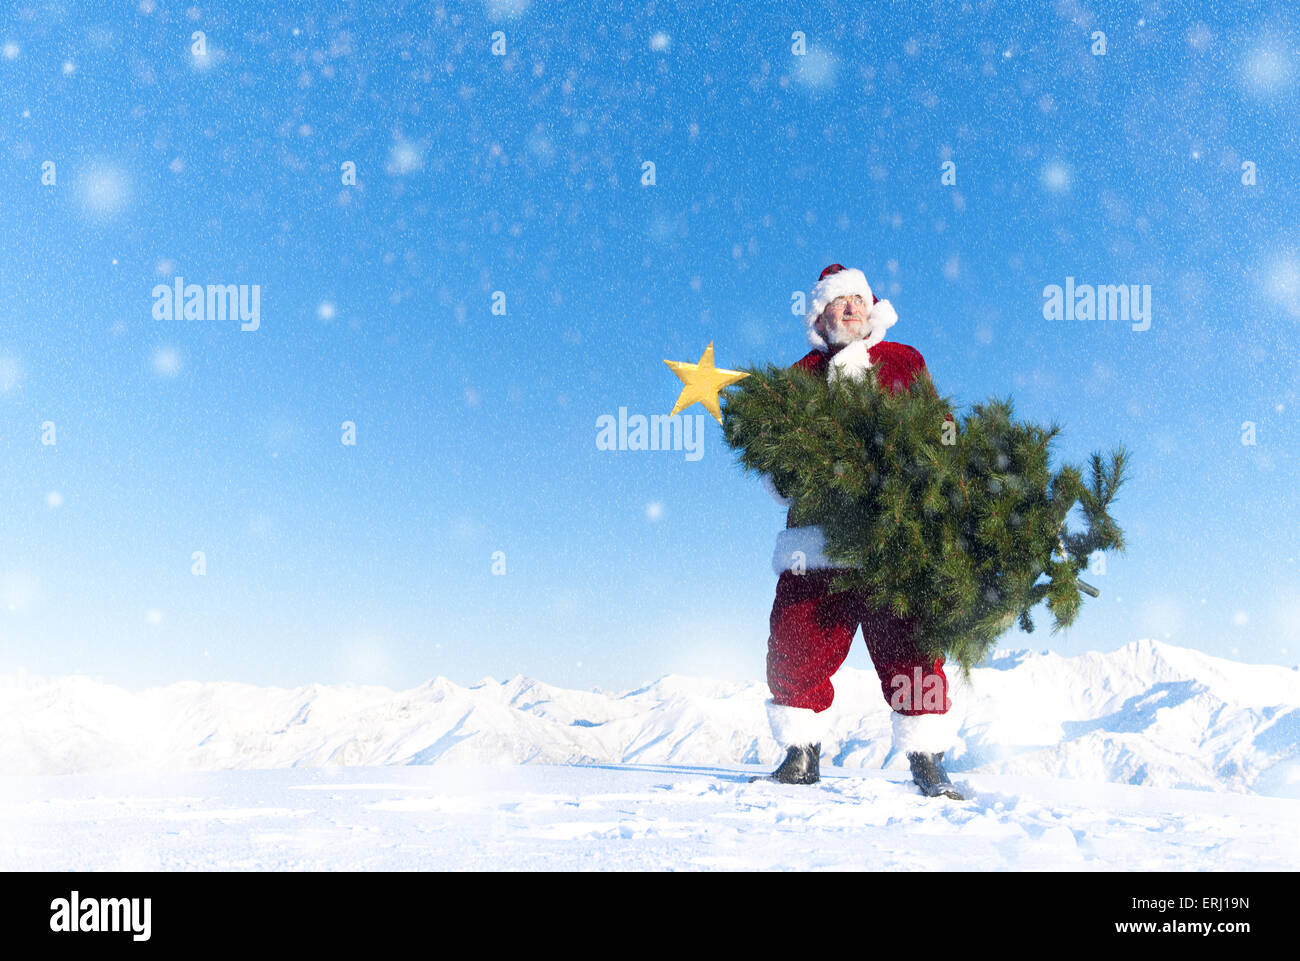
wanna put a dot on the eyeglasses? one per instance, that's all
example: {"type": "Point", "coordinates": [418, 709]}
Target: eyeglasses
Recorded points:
{"type": "Point", "coordinates": [858, 300]}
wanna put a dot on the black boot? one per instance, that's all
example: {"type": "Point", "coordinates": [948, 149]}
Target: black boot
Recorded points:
{"type": "Point", "coordinates": [801, 766]}
{"type": "Point", "coordinates": [931, 778]}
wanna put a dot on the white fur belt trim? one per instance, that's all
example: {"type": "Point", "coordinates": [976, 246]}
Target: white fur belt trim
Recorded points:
{"type": "Point", "coordinates": [800, 549]}
{"type": "Point", "coordinates": [924, 733]}
{"type": "Point", "coordinates": [793, 726]}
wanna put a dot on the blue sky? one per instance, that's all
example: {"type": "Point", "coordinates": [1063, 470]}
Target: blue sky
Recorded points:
{"type": "Point", "coordinates": [522, 174]}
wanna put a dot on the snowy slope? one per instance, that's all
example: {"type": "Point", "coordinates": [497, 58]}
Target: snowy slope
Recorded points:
{"type": "Point", "coordinates": [614, 817]}
{"type": "Point", "coordinates": [1148, 713]}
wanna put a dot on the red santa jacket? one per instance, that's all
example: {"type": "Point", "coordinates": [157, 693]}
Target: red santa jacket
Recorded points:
{"type": "Point", "coordinates": [895, 364]}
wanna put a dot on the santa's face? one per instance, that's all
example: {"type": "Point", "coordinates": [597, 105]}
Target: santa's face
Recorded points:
{"type": "Point", "coordinates": [844, 320]}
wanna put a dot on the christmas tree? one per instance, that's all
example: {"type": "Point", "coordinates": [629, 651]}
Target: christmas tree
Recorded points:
{"type": "Point", "coordinates": [959, 523]}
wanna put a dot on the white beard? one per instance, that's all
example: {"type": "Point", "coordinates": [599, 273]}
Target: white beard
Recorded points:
{"type": "Point", "coordinates": [853, 347]}
{"type": "Point", "coordinates": [841, 336]}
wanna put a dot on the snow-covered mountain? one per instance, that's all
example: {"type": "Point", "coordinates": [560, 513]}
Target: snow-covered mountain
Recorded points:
{"type": "Point", "coordinates": [1148, 713]}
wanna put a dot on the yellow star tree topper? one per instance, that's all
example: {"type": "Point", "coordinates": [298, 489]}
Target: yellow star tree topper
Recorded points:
{"type": "Point", "coordinates": [702, 382]}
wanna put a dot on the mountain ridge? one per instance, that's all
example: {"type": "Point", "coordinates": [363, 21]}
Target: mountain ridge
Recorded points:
{"type": "Point", "coordinates": [1146, 713]}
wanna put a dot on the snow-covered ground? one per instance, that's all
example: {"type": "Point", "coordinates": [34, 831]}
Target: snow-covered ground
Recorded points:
{"type": "Point", "coordinates": [610, 817]}
{"type": "Point", "coordinates": [1145, 758]}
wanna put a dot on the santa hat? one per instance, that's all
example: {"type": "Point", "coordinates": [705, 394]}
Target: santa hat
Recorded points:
{"type": "Point", "coordinates": [840, 281]}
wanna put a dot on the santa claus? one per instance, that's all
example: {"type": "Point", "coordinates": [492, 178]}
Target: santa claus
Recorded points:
{"type": "Point", "coordinates": [812, 628]}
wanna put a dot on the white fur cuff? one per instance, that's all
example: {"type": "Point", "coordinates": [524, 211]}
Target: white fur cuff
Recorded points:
{"type": "Point", "coordinates": [924, 733]}
{"type": "Point", "coordinates": [793, 726]}
{"type": "Point", "coordinates": [800, 549]}
{"type": "Point", "coordinates": [771, 489]}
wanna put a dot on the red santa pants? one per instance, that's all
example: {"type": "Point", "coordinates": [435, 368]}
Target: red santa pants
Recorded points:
{"type": "Point", "coordinates": [812, 630]}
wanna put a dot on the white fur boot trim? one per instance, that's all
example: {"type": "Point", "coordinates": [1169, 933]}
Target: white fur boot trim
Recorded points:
{"type": "Point", "coordinates": [924, 733]}
{"type": "Point", "coordinates": [793, 726]}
